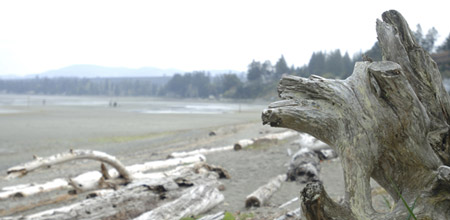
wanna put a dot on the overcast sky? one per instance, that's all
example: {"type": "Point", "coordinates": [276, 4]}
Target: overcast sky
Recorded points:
{"type": "Point", "coordinates": [37, 36]}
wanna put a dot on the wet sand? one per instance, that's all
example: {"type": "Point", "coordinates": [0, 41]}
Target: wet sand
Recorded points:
{"type": "Point", "coordinates": [135, 137]}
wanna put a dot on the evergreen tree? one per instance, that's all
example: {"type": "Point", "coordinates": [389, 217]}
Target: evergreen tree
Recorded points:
{"type": "Point", "coordinates": [177, 85]}
{"type": "Point", "coordinates": [445, 46]}
{"type": "Point", "coordinates": [267, 70]}
{"type": "Point", "coordinates": [348, 65]}
{"type": "Point", "coordinates": [334, 65]}
{"type": "Point", "coordinates": [302, 71]}
{"type": "Point", "coordinates": [418, 34]}
{"type": "Point", "coordinates": [230, 81]}
{"type": "Point", "coordinates": [430, 39]}
{"type": "Point", "coordinates": [427, 42]}
{"type": "Point", "coordinates": [317, 63]}
{"type": "Point", "coordinates": [254, 72]}
{"type": "Point", "coordinates": [281, 67]}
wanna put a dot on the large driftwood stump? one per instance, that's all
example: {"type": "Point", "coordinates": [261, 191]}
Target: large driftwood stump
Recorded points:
{"type": "Point", "coordinates": [388, 121]}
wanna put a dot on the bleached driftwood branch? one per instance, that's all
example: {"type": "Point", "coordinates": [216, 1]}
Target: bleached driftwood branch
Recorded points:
{"type": "Point", "coordinates": [266, 138]}
{"type": "Point", "coordinates": [89, 180]}
{"type": "Point", "coordinates": [237, 146]}
{"type": "Point", "coordinates": [21, 170]}
{"type": "Point", "coordinates": [288, 202]}
{"type": "Point", "coordinates": [262, 194]}
{"type": "Point", "coordinates": [163, 164]}
{"type": "Point", "coordinates": [200, 151]}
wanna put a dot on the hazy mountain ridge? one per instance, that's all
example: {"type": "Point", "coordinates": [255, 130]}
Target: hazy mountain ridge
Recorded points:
{"type": "Point", "coordinates": [93, 71]}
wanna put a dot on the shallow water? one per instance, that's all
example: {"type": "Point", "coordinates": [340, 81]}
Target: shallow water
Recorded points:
{"type": "Point", "coordinates": [133, 104]}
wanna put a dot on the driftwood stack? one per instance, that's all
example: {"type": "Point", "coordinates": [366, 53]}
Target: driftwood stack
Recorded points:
{"type": "Point", "coordinates": [123, 192]}
{"type": "Point", "coordinates": [132, 192]}
{"type": "Point", "coordinates": [388, 121]}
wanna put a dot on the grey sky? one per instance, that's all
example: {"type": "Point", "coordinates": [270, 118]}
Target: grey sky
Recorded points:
{"type": "Point", "coordinates": [191, 34]}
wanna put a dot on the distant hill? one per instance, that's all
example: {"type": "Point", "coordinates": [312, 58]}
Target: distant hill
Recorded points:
{"type": "Point", "coordinates": [93, 71]}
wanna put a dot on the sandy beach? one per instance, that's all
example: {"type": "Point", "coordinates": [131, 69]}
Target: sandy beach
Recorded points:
{"type": "Point", "coordinates": [145, 129]}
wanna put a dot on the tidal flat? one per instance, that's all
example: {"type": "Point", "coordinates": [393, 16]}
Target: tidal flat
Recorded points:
{"type": "Point", "coordinates": [140, 129]}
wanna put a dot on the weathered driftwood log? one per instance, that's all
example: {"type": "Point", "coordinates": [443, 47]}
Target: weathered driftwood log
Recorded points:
{"type": "Point", "coordinates": [288, 203]}
{"type": "Point", "coordinates": [200, 151]}
{"type": "Point", "coordinates": [143, 195]}
{"type": "Point", "coordinates": [99, 180]}
{"type": "Point", "coordinates": [262, 194]}
{"type": "Point", "coordinates": [90, 180]}
{"type": "Point", "coordinates": [54, 200]}
{"type": "Point", "coordinates": [323, 151]}
{"type": "Point", "coordinates": [266, 138]}
{"type": "Point", "coordinates": [237, 146]}
{"type": "Point", "coordinates": [243, 143]}
{"type": "Point", "coordinates": [125, 203]}
{"type": "Point", "coordinates": [304, 166]}
{"type": "Point", "coordinates": [388, 121]}
{"type": "Point", "coordinates": [306, 140]}
{"type": "Point", "coordinates": [196, 201]}
{"type": "Point", "coordinates": [163, 164]}
{"type": "Point", "coordinates": [217, 216]}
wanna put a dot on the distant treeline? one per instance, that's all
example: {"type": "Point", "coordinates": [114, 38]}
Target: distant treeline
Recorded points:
{"type": "Point", "coordinates": [261, 78]}
{"type": "Point", "coordinates": [85, 86]}
{"type": "Point", "coordinates": [259, 81]}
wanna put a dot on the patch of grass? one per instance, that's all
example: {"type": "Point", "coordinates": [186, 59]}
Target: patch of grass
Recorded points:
{"type": "Point", "coordinates": [388, 204]}
{"type": "Point", "coordinates": [410, 209]}
{"type": "Point", "coordinates": [229, 216]}
{"type": "Point", "coordinates": [245, 216]}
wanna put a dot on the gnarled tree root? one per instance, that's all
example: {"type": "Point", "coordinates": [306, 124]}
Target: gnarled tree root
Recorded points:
{"type": "Point", "coordinates": [388, 121]}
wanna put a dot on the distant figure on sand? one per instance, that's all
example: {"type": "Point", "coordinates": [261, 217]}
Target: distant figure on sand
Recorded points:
{"type": "Point", "coordinates": [112, 104]}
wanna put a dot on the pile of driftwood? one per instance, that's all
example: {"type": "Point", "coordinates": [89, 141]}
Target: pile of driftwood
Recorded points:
{"type": "Point", "coordinates": [188, 187]}
{"type": "Point", "coordinates": [121, 192]}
